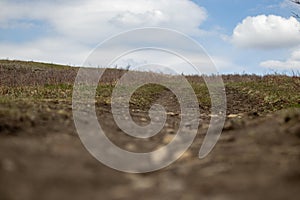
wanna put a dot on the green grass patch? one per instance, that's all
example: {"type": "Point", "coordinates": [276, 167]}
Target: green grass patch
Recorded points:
{"type": "Point", "coordinates": [276, 92]}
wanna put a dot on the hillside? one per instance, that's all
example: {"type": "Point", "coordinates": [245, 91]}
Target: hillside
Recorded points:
{"type": "Point", "coordinates": [42, 157]}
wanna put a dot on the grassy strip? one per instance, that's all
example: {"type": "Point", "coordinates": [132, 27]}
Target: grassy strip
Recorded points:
{"type": "Point", "coordinates": [275, 93]}
{"type": "Point", "coordinates": [143, 96]}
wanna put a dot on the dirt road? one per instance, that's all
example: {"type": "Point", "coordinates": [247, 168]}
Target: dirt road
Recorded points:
{"type": "Point", "coordinates": [41, 156]}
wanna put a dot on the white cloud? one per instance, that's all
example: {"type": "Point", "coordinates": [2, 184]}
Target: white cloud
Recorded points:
{"type": "Point", "coordinates": [226, 65]}
{"type": "Point", "coordinates": [292, 63]}
{"type": "Point", "coordinates": [76, 26]}
{"type": "Point", "coordinates": [267, 32]}
{"type": "Point", "coordinates": [56, 50]}
{"type": "Point", "coordinates": [90, 20]}
{"type": "Point", "coordinates": [281, 65]}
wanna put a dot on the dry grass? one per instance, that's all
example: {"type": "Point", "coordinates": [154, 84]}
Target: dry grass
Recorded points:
{"type": "Point", "coordinates": [21, 81]}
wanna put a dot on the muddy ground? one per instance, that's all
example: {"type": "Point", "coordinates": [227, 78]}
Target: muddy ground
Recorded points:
{"type": "Point", "coordinates": [42, 157]}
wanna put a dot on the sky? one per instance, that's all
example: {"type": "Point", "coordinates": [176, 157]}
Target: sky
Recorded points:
{"type": "Point", "coordinates": [254, 36]}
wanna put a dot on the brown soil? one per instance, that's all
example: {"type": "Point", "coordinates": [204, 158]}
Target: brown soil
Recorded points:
{"type": "Point", "coordinates": [257, 156]}
{"type": "Point", "coordinates": [42, 157]}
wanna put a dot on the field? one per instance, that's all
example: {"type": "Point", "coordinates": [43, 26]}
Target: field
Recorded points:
{"type": "Point", "coordinates": [42, 157]}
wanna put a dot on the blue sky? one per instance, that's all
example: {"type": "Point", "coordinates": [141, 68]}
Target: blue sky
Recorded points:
{"type": "Point", "coordinates": [228, 13]}
{"type": "Point", "coordinates": [240, 36]}
{"type": "Point", "coordinates": [225, 16]}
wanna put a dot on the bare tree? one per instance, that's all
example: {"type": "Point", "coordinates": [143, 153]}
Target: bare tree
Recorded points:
{"type": "Point", "coordinates": [296, 15]}
{"type": "Point", "coordinates": [295, 1]}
